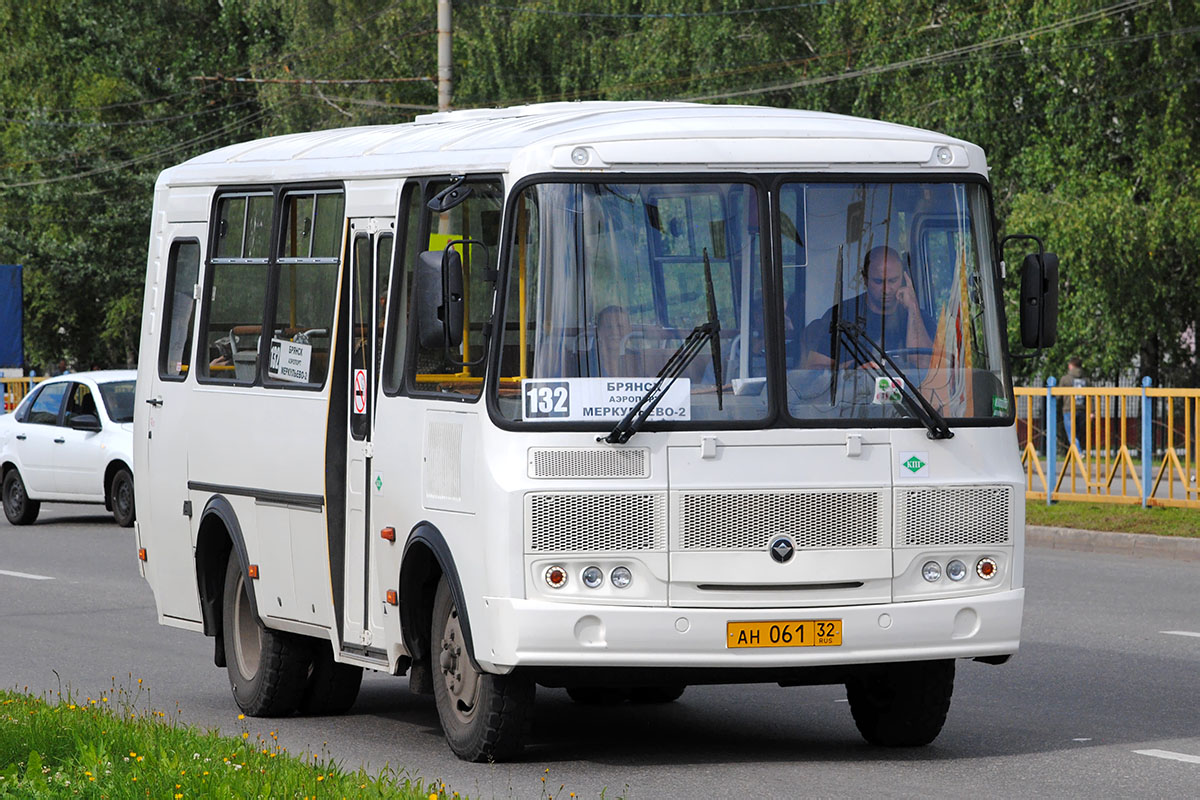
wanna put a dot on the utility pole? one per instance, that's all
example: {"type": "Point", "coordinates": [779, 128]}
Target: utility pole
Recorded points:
{"type": "Point", "coordinates": [444, 83]}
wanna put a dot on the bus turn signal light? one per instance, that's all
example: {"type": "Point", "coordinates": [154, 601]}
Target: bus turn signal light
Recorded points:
{"type": "Point", "coordinates": [141, 554]}
{"type": "Point", "coordinates": [391, 594]}
{"type": "Point", "coordinates": [252, 571]}
{"type": "Point", "coordinates": [388, 533]}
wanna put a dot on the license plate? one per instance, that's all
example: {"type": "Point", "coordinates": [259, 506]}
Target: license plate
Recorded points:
{"type": "Point", "coordinates": [785, 633]}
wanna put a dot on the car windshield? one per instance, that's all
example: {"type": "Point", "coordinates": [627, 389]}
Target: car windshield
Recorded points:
{"type": "Point", "coordinates": [607, 282]}
{"type": "Point", "coordinates": [884, 281]}
{"type": "Point", "coordinates": [118, 400]}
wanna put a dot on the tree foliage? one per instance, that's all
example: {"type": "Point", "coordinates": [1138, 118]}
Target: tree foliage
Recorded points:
{"type": "Point", "coordinates": [1087, 113]}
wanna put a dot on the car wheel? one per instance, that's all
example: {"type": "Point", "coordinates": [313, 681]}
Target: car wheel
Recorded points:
{"type": "Point", "coordinates": [902, 705]}
{"type": "Point", "coordinates": [268, 669]}
{"type": "Point", "coordinates": [18, 508]}
{"type": "Point", "coordinates": [484, 716]}
{"type": "Point", "coordinates": [121, 493]}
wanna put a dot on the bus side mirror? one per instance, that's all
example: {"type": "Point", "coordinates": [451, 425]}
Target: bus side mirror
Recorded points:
{"type": "Point", "coordinates": [439, 298]}
{"type": "Point", "coordinates": [1039, 300]}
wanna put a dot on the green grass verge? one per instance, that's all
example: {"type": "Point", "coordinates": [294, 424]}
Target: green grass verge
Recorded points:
{"type": "Point", "coordinates": [1113, 517]}
{"type": "Point", "coordinates": [107, 747]}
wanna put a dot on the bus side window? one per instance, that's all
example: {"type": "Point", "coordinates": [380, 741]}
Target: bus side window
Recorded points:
{"type": "Point", "coordinates": [235, 294]}
{"type": "Point", "coordinates": [183, 270]}
{"type": "Point", "coordinates": [395, 354]}
{"type": "Point", "coordinates": [477, 218]}
{"type": "Point", "coordinates": [301, 331]}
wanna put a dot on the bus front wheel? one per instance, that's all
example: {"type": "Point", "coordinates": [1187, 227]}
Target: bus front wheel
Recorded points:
{"type": "Point", "coordinates": [484, 716]}
{"type": "Point", "coordinates": [902, 705]}
{"type": "Point", "coordinates": [268, 670]}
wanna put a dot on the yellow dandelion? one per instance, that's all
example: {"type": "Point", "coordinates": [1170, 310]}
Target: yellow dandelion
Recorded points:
{"type": "Point", "coordinates": [245, 736]}
{"type": "Point", "coordinates": [320, 778]}
{"type": "Point", "coordinates": [241, 716]}
{"type": "Point", "coordinates": [132, 754]}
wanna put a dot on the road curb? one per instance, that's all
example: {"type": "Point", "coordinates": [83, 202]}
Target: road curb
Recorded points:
{"type": "Point", "coordinates": [1142, 545]}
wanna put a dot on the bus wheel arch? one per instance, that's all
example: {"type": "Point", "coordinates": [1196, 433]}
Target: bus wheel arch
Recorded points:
{"type": "Point", "coordinates": [218, 535]}
{"type": "Point", "coordinates": [426, 559]}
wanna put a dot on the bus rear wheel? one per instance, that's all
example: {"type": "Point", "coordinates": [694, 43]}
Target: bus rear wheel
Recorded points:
{"type": "Point", "coordinates": [332, 686]}
{"type": "Point", "coordinates": [484, 716]}
{"type": "Point", "coordinates": [268, 670]}
{"type": "Point", "coordinates": [902, 705]}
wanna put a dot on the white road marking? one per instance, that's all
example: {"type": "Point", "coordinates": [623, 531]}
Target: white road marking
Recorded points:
{"type": "Point", "coordinates": [1082, 739]}
{"type": "Point", "coordinates": [1168, 754]}
{"type": "Point", "coordinates": [26, 575]}
{"type": "Point", "coordinates": [1181, 633]}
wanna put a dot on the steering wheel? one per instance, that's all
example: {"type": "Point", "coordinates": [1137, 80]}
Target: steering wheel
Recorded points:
{"type": "Point", "coordinates": [903, 355]}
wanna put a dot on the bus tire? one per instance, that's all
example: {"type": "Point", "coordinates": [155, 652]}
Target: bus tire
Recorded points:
{"type": "Point", "coordinates": [332, 686]}
{"type": "Point", "coordinates": [902, 705]}
{"type": "Point", "coordinates": [648, 695]}
{"type": "Point", "coordinates": [120, 492]}
{"type": "Point", "coordinates": [18, 508]}
{"type": "Point", "coordinates": [268, 670]}
{"type": "Point", "coordinates": [484, 716]}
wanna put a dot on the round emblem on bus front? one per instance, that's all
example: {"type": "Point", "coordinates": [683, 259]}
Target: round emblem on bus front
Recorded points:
{"type": "Point", "coordinates": [782, 549]}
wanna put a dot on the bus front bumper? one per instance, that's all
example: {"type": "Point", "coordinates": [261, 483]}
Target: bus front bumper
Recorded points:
{"type": "Point", "coordinates": [537, 633]}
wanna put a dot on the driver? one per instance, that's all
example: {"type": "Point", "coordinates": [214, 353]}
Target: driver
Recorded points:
{"type": "Point", "coordinates": [887, 310]}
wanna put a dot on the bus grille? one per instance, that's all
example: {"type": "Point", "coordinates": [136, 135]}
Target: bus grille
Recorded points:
{"type": "Point", "coordinates": [588, 462]}
{"type": "Point", "coordinates": [596, 522]}
{"type": "Point", "coordinates": [967, 516]}
{"type": "Point", "coordinates": [743, 520]}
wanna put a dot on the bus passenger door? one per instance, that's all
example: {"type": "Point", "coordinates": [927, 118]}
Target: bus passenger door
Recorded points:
{"type": "Point", "coordinates": [371, 242]}
{"type": "Point", "coordinates": [160, 483]}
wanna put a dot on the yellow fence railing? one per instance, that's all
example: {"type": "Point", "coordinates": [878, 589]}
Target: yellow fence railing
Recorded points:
{"type": "Point", "coordinates": [1136, 445]}
{"type": "Point", "coordinates": [15, 390]}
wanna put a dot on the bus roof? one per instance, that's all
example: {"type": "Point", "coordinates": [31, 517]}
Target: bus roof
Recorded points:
{"type": "Point", "coordinates": [634, 136]}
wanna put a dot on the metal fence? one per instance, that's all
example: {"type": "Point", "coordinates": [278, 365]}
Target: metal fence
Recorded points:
{"type": "Point", "coordinates": [15, 390]}
{"type": "Point", "coordinates": [1135, 445]}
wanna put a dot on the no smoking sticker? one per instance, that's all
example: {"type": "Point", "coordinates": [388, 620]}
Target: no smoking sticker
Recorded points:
{"type": "Point", "coordinates": [360, 391]}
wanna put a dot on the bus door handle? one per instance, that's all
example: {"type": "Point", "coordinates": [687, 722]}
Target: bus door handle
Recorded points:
{"type": "Point", "coordinates": [59, 441]}
{"type": "Point", "coordinates": [21, 437]}
{"type": "Point", "coordinates": [154, 401]}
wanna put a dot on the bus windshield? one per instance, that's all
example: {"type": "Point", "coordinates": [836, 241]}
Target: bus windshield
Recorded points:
{"type": "Point", "coordinates": [884, 281]}
{"type": "Point", "coordinates": [881, 283]}
{"type": "Point", "coordinates": [609, 279]}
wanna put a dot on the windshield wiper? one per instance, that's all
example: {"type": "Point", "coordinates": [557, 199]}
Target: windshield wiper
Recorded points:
{"type": "Point", "coordinates": [715, 340]}
{"type": "Point", "coordinates": [865, 349]}
{"type": "Point", "coordinates": [676, 364]}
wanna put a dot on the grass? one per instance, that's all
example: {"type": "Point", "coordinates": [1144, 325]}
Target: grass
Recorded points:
{"type": "Point", "coordinates": [1113, 517]}
{"type": "Point", "coordinates": [107, 747]}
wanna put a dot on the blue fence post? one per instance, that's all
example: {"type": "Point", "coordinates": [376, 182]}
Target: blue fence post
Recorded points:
{"type": "Point", "coordinates": [1147, 444]}
{"type": "Point", "coordinates": [1051, 438]}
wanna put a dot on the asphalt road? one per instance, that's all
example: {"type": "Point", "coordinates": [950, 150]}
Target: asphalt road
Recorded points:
{"type": "Point", "coordinates": [1103, 699]}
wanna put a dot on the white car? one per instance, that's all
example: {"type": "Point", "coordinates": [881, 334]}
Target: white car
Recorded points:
{"type": "Point", "coordinates": [70, 441]}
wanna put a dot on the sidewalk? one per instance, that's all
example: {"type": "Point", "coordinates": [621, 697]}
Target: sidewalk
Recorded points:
{"type": "Point", "coordinates": [1145, 545]}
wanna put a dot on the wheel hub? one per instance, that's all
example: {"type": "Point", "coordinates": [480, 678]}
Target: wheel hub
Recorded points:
{"type": "Point", "coordinates": [461, 679]}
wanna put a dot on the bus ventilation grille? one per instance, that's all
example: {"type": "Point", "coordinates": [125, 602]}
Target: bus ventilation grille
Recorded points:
{"type": "Point", "coordinates": [742, 520]}
{"type": "Point", "coordinates": [596, 521]}
{"type": "Point", "coordinates": [590, 462]}
{"type": "Point", "coordinates": [952, 517]}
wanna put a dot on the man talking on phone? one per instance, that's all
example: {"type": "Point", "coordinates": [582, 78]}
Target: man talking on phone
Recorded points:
{"type": "Point", "coordinates": [887, 312]}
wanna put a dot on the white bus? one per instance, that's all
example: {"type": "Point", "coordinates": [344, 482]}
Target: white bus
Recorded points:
{"type": "Point", "coordinates": [616, 397]}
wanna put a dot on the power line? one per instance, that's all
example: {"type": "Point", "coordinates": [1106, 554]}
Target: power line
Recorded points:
{"type": "Point", "coordinates": [933, 58]}
{"type": "Point", "coordinates": [669, 15]}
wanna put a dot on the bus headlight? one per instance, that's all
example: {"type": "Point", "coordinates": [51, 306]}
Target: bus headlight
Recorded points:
{"type": "Point", "coordinates": [621, 577]}
{"type": "Point", "coordinates": [956, 570]}
{"type": "Point", "coordinates": [932, 571]}
{"type": "Point", "coordinates": [593, 577]}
